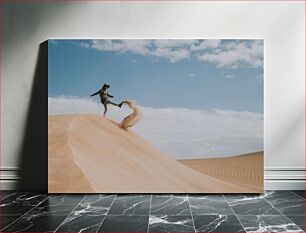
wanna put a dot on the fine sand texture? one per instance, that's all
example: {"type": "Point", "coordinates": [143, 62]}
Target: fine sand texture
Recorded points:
{"type": "Point", "coordinates": [91, 154]}
{"type": "Point", "coordinates": [243, 170]}
{"type": "Point", "coordinates": [133, 118]}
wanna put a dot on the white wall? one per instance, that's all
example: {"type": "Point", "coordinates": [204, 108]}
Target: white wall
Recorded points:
{"type": "Point", "coordinates": [280, 24]}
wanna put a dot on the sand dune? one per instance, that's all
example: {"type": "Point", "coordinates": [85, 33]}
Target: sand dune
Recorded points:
{"type": "Point", "coordinates": [244, 170]}
{"type": "Point", "coordinates": [87, 153]}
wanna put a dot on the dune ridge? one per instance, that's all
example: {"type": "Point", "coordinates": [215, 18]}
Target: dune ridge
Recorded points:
{"type": "Point", "coordinates": [90, 154]}
{"type": "Point", "coordinates": [245, 170]}
{"type": "Point", "coordinates": [62, 158]}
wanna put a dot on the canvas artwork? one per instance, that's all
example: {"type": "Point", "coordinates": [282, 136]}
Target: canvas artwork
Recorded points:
{"type": "Point", "coordinates": [155, 116]}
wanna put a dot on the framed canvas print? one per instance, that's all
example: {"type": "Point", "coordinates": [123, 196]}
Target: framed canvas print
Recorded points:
{"type": "Point", "coordinates": [155, 116]}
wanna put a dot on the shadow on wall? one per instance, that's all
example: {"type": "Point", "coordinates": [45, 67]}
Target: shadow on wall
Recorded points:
{"type": "Point", "coordinates": [34, 152]}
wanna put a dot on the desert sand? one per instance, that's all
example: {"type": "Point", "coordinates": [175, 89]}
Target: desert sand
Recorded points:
{"type": "Point", "coordinates": [91, 154]}
{"type": "Point", "coordinates": [243, 170]}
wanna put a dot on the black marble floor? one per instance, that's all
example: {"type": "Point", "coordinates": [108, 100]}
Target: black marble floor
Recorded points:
{"type": "Point", "coordinates": [273, 211]}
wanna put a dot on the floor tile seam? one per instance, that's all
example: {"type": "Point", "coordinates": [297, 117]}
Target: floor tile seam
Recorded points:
{"type": "Point", "coordinates": [7, 196]}
{"type": "Point", "coordinates": [283, 215]}
{"type": "Point", "coordinates": [107, 213]}
{"type": "Point", "coordinates": [25, 213]}
{"type": "Point", "coordinates": [69, 213]}
{"type": "Point", "coordinates": [297, 194]}
{"type": "Point", "coordinates": [234, 213]}
{"type": "Point", "coordinates": [149, 213]}
{"type": "Point", "coordinates": [194, 228]}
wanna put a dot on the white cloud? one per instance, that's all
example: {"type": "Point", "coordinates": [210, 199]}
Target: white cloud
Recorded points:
{"type": "Point", "coordinates": [174, 50]}
{"type": "Point", "coordinates": [229, 76]}
{"type": "Point", "coordinates": [172, 55]}
{"type": "Point", "coordinates": [222, 53]}
{"type": "Point", "coordinates": [181, 132]}
{"type": "Point", "coordinates": [192, 75]}
{"type": "Point", "coordinates": [173, 43]}
{"type": "Point", "coordinates": [206, 44]}
{"type": "Point", "coordinates": [236, 54]}
{"type": "Point", "coordinates": [134, 46]}
{"type": "Point", "coordinates": [70, 105]}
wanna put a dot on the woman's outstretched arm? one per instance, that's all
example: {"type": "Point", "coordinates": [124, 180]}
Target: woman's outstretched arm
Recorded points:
{"type": "Point", "coordinates": [95, 93]}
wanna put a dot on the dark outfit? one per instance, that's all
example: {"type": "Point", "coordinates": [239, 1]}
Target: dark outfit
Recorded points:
{"type": "Point", "coordinates": [104, 97]}
{"type": "Point", "coordinates": [103, 93]}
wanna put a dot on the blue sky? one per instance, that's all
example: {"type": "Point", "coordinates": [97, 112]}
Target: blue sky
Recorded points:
{"type": "Point", "coordinates": [196, 74]}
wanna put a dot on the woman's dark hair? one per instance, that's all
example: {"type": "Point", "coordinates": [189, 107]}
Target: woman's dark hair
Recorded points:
{"type": "Point", "coordinates": [105, 85]}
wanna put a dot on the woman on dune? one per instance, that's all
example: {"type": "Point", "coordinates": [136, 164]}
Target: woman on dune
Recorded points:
{"type": "Point", "coordinates": [103, 93]}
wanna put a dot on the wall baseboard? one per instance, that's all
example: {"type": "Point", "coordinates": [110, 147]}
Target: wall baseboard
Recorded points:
{"type": "Point", "coordinates": [284, 178]}
{"type": "Point", "coordinates": [9, 178]}
{"type": "Point", "coordinates": [284, 184]}
{"type": "Point", "coordinates": [275, 178]}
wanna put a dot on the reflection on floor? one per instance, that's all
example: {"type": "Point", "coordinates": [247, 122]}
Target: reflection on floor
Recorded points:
{"type": "Point", "coordinates": [273, 211]}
